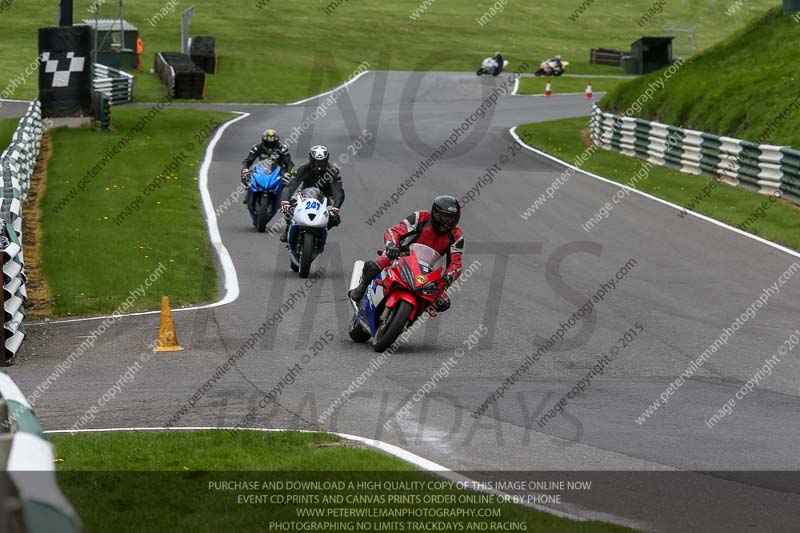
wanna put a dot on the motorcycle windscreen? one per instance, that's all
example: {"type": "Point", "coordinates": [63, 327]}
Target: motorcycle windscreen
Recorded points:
{"type": "Point", "coordinates": [268, 175]}
{"type": "Point", "coordinates": [427, 257]}
{"type": "Point", "coordinates": [311, 193]}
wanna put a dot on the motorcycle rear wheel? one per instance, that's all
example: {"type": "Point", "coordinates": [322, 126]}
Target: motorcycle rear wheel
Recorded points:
{"type": "Point", "coordinates": [393, 327]}
{"type": "Point", "coordinates": [306, 254]}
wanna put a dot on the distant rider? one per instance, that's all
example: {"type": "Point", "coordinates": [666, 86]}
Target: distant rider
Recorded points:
{"type": "Point", "coordinates": [319, 173]}
{"type": "Point", "coordinates": [551, 67]}
{"type": "Point", "coordinates": [437, 228]}
{"type": "Point", "coordinates": [498, 57]}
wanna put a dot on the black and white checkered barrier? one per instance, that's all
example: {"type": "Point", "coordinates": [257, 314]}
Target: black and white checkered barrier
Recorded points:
{"type": "Point", "coordinates": [16, 168]}
{"type": "Point", "coordinates": [30, 498]}
{"type": "Point", "coordinates": [762, 168]}
{"type": "Point", "coordinates": [61, 67]}
{"type": "Point", "coordinates": [118, 86]}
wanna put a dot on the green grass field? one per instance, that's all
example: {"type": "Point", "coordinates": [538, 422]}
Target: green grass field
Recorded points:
{"type": "Point", "coordinates": [267, 53]}
{"type": "Point", "coordinates": [733, 88]}
{"type": "Point", "coordinates": [562, 139]}
{"type": "Point", "coordinates": [566, 85]}
{"type": "Point", "coordinates": [7, 128]}
{"type": "Point", "coordinates": [90, 261]}
{"type": "Point", "coordinates": [131, 482]}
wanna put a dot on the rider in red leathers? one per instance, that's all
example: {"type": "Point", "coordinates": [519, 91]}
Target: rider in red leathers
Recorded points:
{"type": "Point", "coordinates": [437, 228]}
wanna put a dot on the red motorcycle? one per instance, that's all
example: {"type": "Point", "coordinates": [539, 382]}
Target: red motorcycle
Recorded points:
{"type": "Point", "coordinates": [397, 297]}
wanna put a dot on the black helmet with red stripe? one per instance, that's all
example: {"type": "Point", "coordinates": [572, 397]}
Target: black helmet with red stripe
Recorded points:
{"type": "Point", "coordinates": [445, 214]}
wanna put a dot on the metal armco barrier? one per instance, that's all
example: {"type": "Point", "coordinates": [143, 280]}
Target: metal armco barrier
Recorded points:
{"type": "Point", "coordinates": [118, 86]}
{"type": "Point", "coordinates": [604, 56]}
{"type": "Point", "coordinates": [16, 168]}
{"type": "Point", "coordinates": [762, 168]}
{"type": "Point", "coordinates": [29, 492]}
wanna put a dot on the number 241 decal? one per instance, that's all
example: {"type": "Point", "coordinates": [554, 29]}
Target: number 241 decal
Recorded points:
{"type": "Point", "coordinates": [311, 204]}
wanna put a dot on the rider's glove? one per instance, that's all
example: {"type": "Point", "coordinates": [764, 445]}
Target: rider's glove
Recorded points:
{"type": "Point", "coordinates": [392, 251]}
{"type": "Point", "coordinates": [334, 211]}
{"type": "Point", "coordinates": [448, 280]}
{"type": "Point", "coordinates": [286, 207]}
{"type": "Point", "coordinates": [245, 176]}
{"type": "Point", "coordinates": [287, 178]}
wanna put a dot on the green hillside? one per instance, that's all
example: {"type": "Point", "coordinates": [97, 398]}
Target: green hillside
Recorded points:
{"type": "Point", "coordinates": [747, 86]}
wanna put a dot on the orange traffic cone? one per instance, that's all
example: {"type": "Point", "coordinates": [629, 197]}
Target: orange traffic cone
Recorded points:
{"type": "Point", "coordinates": [167, 337]}
{"type": "Point", "coordinates": [548, 90]}
{"type": "Point", "coordinates": [588, 94]}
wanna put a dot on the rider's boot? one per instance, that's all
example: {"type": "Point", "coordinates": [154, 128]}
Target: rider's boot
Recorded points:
{"type": "Point", "coordinates": [371, 269]}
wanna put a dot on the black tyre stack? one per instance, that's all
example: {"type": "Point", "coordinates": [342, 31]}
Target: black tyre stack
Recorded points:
{"type": "Point", "coordinates": [203, 53]}
{"type": "Point", "coordinates": [183, 78]}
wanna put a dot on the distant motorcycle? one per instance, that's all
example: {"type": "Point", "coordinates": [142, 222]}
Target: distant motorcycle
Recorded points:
{"type": "Point", "coordinates": [308, 229]}
{"type": "Point", "coordinates": [264, 190]}
{"type": "Point", "coordinates": [552, 68]}
{"type": "Point", "coordinates": [397, 297]}
{"type": "Point", "coordinates": [489, 66]}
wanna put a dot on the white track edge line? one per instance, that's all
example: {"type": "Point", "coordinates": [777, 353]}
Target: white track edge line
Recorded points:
{"type": "Point", "coordinates": [599, 93]}
{"type": "Point", "coordinates": [231, 280]}
{"type": "Point", "coordinates": [513, 132]}
{"type": "Point", "coordinates": [391, 449]}
{"type": "Point", "coordinates": [335, 89]}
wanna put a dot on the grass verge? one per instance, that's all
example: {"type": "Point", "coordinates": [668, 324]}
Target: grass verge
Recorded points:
{"type": "Point", "coordinates": [262, 58]}
{"type": "Point", "coordinates": [92, 262]}
{"type": "Point", "coordinates": [567, 85]}
{"type": "Point", "coordinates": [566, 139]}
{"type": "Point", "coordinates": [7, 128]}
{"type": "Point", "coordinates": [127, 482]}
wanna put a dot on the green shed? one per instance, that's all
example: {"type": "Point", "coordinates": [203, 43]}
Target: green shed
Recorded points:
{"type": "Point", "coordinates": [114, 42]}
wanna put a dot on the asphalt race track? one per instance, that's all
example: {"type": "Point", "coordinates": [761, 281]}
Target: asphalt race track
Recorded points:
{"type": "Point", "coordinates": [691, 279]}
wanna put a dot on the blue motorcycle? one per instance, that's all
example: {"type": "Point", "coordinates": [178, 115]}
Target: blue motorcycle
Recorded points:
{"type": "Point", "coordinates": [264, 192]}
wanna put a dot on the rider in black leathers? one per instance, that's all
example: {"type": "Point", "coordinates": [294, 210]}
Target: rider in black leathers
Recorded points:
{"type": "Point", "coordinates": [268, 147]}
{"type": "Point", "coordinates": [319, 173]}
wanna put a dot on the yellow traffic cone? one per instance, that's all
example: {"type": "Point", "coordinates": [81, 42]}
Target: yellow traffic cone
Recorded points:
{"type": "Point", "coordinates": [167, 336]}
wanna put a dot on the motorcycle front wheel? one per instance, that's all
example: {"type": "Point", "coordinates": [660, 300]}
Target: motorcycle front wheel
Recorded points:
{"type": "Point", "coordinates": [392, 327]}
{"type": "Point", "coordinates": [264, 213]}
{"type": "Point", "coordinates": [306, 254]}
